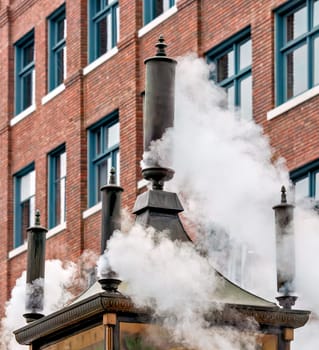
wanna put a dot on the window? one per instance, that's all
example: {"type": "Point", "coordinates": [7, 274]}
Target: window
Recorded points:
{"type": "Point", "coordinates": [232, 60]}
{"type": "Point", "coordinates": [24, 205]}
{"type": "Point", "coordinates": [103, 147]}
{"type": "Point", "coordinates": [24, 73]}
{"type": "Point", "coordinates": [103, 27]}
{"type": "Point", "coordinates": [57, 48]}
{"type": "Point", "coordinates": [306, 181]}
{"type": "Point", "coordinates": [56, 190]}
{"type": "Point", "coordinates": [154, 8]}
{"type": "Point", "coordinates": [297, 50]}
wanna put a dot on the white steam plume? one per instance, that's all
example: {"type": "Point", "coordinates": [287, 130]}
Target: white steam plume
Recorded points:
{"type": "Point", "coordinates": [228, 184]}
{"type": "Point", "coordinates": [59, 278]}
{"type": "Point", "coordinates": [176, 282]}
{"type": "Point", "coordinates": [224, 173]}
{"type": "Point", "coordinates": [63, 280]}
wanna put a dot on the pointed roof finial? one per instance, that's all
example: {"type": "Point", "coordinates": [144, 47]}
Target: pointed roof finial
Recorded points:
{"type": "Point", "coordinates": [37, 217]}
{"type": "Point", "coordinates": [283, 195]}
{"type": "Point", "coordinates": [161, 46]}
{"type": "Point", "coordinates": [112, 178]}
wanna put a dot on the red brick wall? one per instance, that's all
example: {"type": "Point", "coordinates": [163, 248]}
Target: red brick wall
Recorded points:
{"type": "Point", "coordinates": [117, 84]}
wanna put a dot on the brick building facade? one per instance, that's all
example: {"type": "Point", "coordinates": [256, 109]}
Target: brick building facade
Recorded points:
{"type": "Point", "coordinates": [72, 70]}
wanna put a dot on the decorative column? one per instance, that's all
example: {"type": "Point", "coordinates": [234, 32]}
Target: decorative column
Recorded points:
{"type": "Point", "coordinates": [285, 251]}
{"type": "Point", "coordinates": [158, 110]}
{"type": "Point", "coordinates": [35, 270]}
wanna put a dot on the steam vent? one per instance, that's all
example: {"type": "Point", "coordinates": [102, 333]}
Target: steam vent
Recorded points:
{"type": "Point", "coordinates": [103, 317]}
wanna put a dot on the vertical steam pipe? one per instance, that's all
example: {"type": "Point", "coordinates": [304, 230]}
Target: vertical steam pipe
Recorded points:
{"type": "Point", "coordinates": [111, 220]}
{"type": "Point", "coordinates": [111, 209]}
{"type": "Point", "coordinates": [35, 270]}
{"type": "Point", "coordinates": [158, 109]}
{"type": "Point", "coordinates": [285, 251]}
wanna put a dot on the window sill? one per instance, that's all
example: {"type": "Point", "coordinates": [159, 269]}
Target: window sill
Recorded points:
{"type": "Point", "coordinates": [53, 94]}
{"type": "Point", "coordinates": [55, 230]}
{"type": "Point", "coordinates": [142, 183]}
{"type": "Point", "coordinates": [88, 212]}
{"type": "Point", "coordinates": [17, 251]}
{"type": "Point", "coordinates": [285, 107]}
{"type": "Point", "coordinates": [15, 120]}
{"type": "Point", "coordinates": [156, 21]}
{"type": "Point", "coordinates": [100, 60]}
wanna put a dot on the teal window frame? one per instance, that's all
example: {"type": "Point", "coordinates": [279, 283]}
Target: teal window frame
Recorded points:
{"type": "Point", "coordinates": [308, 171]}
{"type": "Point", "coordinates": [20, 234]}
{"type": "Point", "coordinates": [99, 152]}
{"type": "Point", "coordinates": [99, 10]}
{"type": "Point", "coordinates": [232, 44]}
{"type": "Point", "coordinates": [283, 48]}
{"type": "Point", "coordinates": [151, 10]}
{"type": "Point", "coordinates": [56, 181]}
{"type": "Point", "coordinates": [56, 46]}
{"type": "Point", "coordinates": [24, 70]}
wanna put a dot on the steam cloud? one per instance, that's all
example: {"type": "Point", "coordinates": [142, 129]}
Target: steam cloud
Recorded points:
{"type": "Point", "coordinates": [228, 185]}
{"type": "Point", "coordinates": [58, 283]}
{"type": "Point", "coordinates": [177, 282]}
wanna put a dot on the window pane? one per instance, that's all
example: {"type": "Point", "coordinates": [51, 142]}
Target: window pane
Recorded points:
{"type": "Point", "coordinates": [225, 66]}
{"type": "Point", "coordinates": [166, 4]}
{"type": "Point", "coordinates": [316, 194]}
{"type": "Point", "coordinates": [98, 5]}
{"type": "Point", "coordinates": [98, 149]}
{"type": "Point", "coordinates": [113, 135]}
{"type": "Point", "coordinates": [102, 174]}
{"type": "Point", "coordinates": [32, 210]}
{"type": "Point", "coordinates": [27, 186]}
{"type": "Point", "coordinates": [117, 24]}
{"type": "Point", "coordinates": [231, 97]}
{"type": "Point", "coordinates": [58, 199]}
{"type": "Point", "coordinates": [25, 219]}
{"type": "Point", "coordinates": [246, 98]}
{"type": "Point", "coordinates": [316, 13]}
{"type": "Point", "coordinates": [316, 60]}
{"type": "Point", "coordinates": [296, 70]}
{"type": "Point", "coordinates": [28, 54]}
{"type": "Point", "coordinates": [117, 167]}
{"type": "Point", "coordinates": [60, 31]}
{"type": "Point", "coordinates": [63, 164]}
{"type": "Point", "coordinates": [57, 168]}
{"type": "Point", "coordinates": [109, 40]}
{"type": "Point", "coordinates": [296, 24]}
{"type": "Point", "coordinates": [158, 7]}
{"type": "Point", "coordinates": [62, 204]}
{"type": "Point", "coordinates": [101, 36]}
{"type": "Point", "coordinates": [27, 90]}
{"type": "Point", "coordinates": [109, 166]}
{"type": "Point", "coordinates": [245, 54]}
{"type": "Point", "coordinates": [60, 66]}
{"type": "Point", "coordinates": [302, 188]}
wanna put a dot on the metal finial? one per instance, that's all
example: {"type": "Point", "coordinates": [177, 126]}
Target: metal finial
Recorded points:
{"type": "Point", "coordinates": [283, 195]}
{"type": "Point", "coordinates": [37, 217]}
{"type": "Point", "coordinates": [112, 178]}
{"type": "Point", "coordinates": [161, 46]}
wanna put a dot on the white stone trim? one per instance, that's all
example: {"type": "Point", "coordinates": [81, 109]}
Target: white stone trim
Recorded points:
{"type": "Point", "coordinates": [293, 103]}
{"type": "Point", "coordinates": [156, 21]}
{"type": "Point", "coordinates": [142, 183]}
{"type": "Point", "coordinates": [15, 120]}
{"type": "Point", "coordinates": [55, 230]}
{"type": "Point", "coordinates": [88, 212]}
{"type": "Point", "coordinates": [19, 250]}
{"type": "Point", "coordinates": [52, 94]}
{"type": "Point", "coordinates": [100, 60]}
